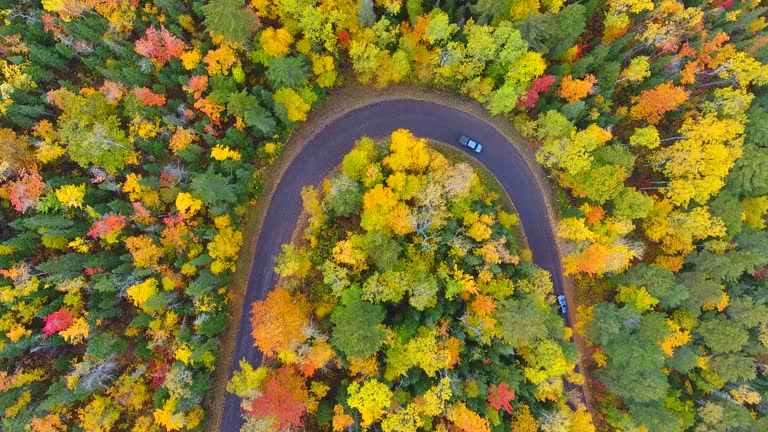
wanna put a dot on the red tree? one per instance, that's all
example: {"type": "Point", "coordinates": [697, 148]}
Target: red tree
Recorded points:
{"type": "Point", "coordinates": [106, 226]}
{"type": "Point", "coordinates": [160, 46]}
{"type": "Point", "coordinates": [500, 396]}
{"type": "Point", "coordinates": [58, 321]}
{"type": "Point", "coordinates": [24, 192]}
{"type": "Point", "coordinates": [540, 85]}
{"type": "Point", "coordinates": [284, 398]}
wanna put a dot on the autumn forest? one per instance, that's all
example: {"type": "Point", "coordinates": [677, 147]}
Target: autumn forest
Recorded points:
{"type": "Point", "coordinates": [138, 136]}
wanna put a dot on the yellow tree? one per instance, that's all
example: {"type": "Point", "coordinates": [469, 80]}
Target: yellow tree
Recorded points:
{"type": "Point", "coordinates": [296, 107]}
{"type": "Point", "coordinates": [697, 163]}
{"type": "Point", "coordinates": [372, 399]}
{"type": "Point", "coordinates": [676, 230]}
{"type": "Point", "coordinates": [276, 42]}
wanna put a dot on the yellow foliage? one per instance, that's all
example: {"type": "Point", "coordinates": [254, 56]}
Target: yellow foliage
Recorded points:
{"type": "Point", "coordinates": [98, 416]}
{"type": "Point", "coordinates": [181, 138]}
{"type": "Point", "coordinates": [720, 305]}
{"type": "Point", "coordinates": [190, 59]}
{"type": "Point", "coordinates": [220, 60]}
{"type": "Point", "coordinates": [143, 250]}
{"type": "Point", "coordinates": [71, 195]}
{"type": "Point", "coordinates": [639, 297]}
{"type": "Point", "coordinates": [407, 152]}
{"type": "Point", "coordinates": [225, 246]}
{"type": "Point", "coordinates": [221, 152]}
{"type": "Point", "coordinates": [187, 204]}
{"type": "Point", "coordinates": [424, 352]}
{"type": "Point", "coordinates": [581, 421]}
{"type": "Point", "coordinates": [276, 42]}
{"type": "Point", "coordinates": [295, 106]}
{"type": "Point", "coordinates": [755, 210]}
{"type": "Point", "coordinates": [746, 395]}
{"type": "Point", "coordinates": [183, 353]}
{"type": "Point", "coordinates": [372, 400]}
{"type": "Point", "coordinates": [20, 403]}
{"type": "Point", "coordinates": [141, 292]}
{"type": "Point", "coordinates": [166, 416]}
{"type": "Point", "coordinates": [575, 229]}
{"type": "Point", "coordinates": [479, 231]}
{"type": "Point", "coordinates": [368, 366]}
{"type": "Point", "coordinates": [77, 332]}
{"type": "Point", "coordinates": [347, 252]}
{"type": "Point", "coordinates": [324, 68]}
{"type": "Point", "coordinates": [600, 358]}
{"type": "Point", "coordinates": [17, 332]}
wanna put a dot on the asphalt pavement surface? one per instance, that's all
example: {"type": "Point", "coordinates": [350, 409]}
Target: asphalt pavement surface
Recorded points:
{"type": "Point", "coordinates": [326, 149]}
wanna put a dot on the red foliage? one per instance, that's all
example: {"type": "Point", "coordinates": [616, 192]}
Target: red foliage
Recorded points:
{"type": "Point", "coordinates": [579, 51]}
{"type": "Point", "coordinates": [500, 396]}
{"type": "Point", "coordinates": [761, 274]}
{"type": "Point", "coordinates": [157, 370]}
{"type": "Point", "coordinates": [149, 98]}
{"type": "Point", "coordinates": [284, 398]}
{"type": "Point", "coordinates": [168, 179]}
{"type": "Point", "coordinates": [107, 225]}
{"type": "Point", "coordinates": [160, 46]}
{"type": "Point", "coordinates": [725, 4]}
{"type": "Point", "coordinates": [58, 321]}
{"type": "Point", "coordinates": [343, 35]}
{"type": "Point", "coordinates": [540, 85]}
{"type": "Point", "coordinates": [23, 193]}
{"type": "Point", "coordinates": [90, 271]}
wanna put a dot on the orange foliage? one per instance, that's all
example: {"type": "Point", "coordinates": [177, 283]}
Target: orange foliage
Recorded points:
{"type": "Point", "coordinates": [594, 214]}
{"type": "Point", "coordinates": [651, 105]}
{"type": "Point", "coordinates": [144, 251]}
{"type": "Point", "coordinates": [211, 109]}
{"type": "Point", "coordinates": [466, 420]}
{"type": "Point", "coordinates": [197, 85]}
{"type": "Point", "coordinates": [149, 98]}
{"type": "Point", "coordinates": [279, 322]}
{"type": "Point", "coordinates": [671, 263]}
{"type": "Point", "coordinates": [574, 89]}
{"type": "Point", "coordinates": [591, 261]}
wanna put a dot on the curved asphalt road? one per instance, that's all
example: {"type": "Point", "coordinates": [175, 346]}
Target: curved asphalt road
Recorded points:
{"type": "Point", "coordinates": [325, 151]}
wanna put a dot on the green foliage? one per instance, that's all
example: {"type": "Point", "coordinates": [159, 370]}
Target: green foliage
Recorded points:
{"type": "Point", "coordinates": [214, 189]}
{"type": "Point", "coordinates": [356, 333]}
{"type": "Point", "coordinates": [288, 72]}
{"type": "Point", "coordinates": [227, 18]}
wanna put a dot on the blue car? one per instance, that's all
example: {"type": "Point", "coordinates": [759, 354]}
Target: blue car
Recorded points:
{"type": "Point", "coordinates": [472, 144]}
{"type": "Point", "coordinates": [561, 301]}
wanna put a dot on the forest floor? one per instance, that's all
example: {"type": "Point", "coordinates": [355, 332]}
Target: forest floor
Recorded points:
{"type": "Point", "coordinates": [341, 100]}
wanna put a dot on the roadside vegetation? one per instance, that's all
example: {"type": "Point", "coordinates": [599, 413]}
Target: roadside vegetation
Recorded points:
{"type": "Point", "coordinates": [405, 304]}
{"type": "Point", "coordinates": [134, 134]}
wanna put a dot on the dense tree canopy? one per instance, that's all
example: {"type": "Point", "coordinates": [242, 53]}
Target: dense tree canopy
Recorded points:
{"type": "Point", "coordinates": [456, 321]}
{"type": "Point", "coordinates": [134, 133]}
